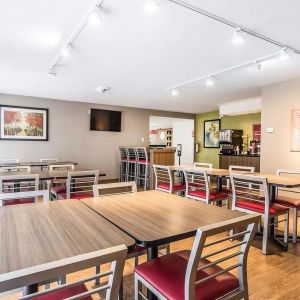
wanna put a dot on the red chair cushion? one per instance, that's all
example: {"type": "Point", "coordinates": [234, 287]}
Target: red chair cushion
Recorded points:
{"type": "Point", "coordinates": [167, 274]}
{"type": "Point", "coordinates": [17, 201]}
{"type": "Point", "coordinates": [58, 190]}
{"type": "Point", "coordinates": [260, 207]}
{"type": "Point", "coordinates": [214, 195]}
{"type": "Point", "coordinates": [143, 161]}
{"type": "Point", "coordinates": [65, 293]}
{"type": "Point", "coordinates": [77, 196]}
{"type": "Point", "coordinates": [288, 201]}
{"type": "Point", "coordinates": [176, 187]}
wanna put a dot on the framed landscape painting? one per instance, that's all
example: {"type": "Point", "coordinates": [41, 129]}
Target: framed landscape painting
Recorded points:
{"type": "Point", "coordinates": [23, 123]}
{"type": "Point", "coordinates": [211, 133]}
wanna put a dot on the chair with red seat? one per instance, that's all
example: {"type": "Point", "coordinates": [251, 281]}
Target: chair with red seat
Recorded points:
{"type": "Point", "coordinates": [143, 163]}
{"type": "Point", "coordinates": [203, 165]}
{"type": "Point", "coordinates": [164, 181]}
{"type": "Point", "coordinates": [257, 200]}
{"type": "Point", "coordinates": [58, 186]}
{"type": "Point", "coordinates": [79, 287]}
{"type": "Point", "coordinates": [290, 198]}
{"type": "Point", "coordinates": [132, 164]}
{"type": "Point", "coordinates": [80, 185]}
{"type": "Point", "coordinates": [197, 274]}
{"type": "Point", "coordinates": [123, 163]}
{"type": "Point", "coordinates": [198, 188]}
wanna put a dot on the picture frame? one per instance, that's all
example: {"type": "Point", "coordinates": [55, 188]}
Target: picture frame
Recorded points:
{"type": "Point", "coordinates": [211, 133]}
{"type": "Point", "coordinates": [20, 123]}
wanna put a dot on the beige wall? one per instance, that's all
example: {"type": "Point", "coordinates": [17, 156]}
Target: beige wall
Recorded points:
{"type": "Point", "coordinates": [277, 102]}
{"type": "Point", "coordinates": [71, 139]}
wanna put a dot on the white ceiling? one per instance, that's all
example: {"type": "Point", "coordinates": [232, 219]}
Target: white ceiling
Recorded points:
{"type": "Point", "coordinates": [139, 55]}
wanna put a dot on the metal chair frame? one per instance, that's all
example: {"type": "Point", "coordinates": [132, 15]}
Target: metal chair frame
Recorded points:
{"type": "Point", "coordinates": [143, 170]}
{"type": "Point", "coordinates": [123, 163]}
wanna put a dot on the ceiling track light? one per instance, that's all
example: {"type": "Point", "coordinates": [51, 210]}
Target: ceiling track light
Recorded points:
{"type": "Point", "coordinates": [175, 92]}
{"type": "Point", "coordinates": [238, 36]}
{"type": "Point", "coordinates": [91, 17]}
{"type": "Point", "coordinates": [209, 77]}
{"type": "Point", "coordinates": [285, 54]}
{"type": "Point", "coordinates": [151, 6]}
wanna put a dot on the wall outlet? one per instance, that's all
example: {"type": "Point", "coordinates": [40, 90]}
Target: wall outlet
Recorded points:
{"type": "Point", "coordinates": [270, 130]}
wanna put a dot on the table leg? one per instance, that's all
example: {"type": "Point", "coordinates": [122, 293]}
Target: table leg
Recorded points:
{"type": "Point", "coordinates": [30, 289]}
{"type": "Point", "coordinates": [219, 188]}
{"type": "Point", "coordinates": [152, 253]}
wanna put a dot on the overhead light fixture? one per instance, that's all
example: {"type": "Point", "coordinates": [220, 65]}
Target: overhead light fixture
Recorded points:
{"type": "Point", "coordinates": [101, 89]}
{"type": "Point", "coordinates": [175, 92]}
{"type": "Point", "coordinates": [238, 36]}
{"type": "Point", "coordinates": [285, 54]}
{"type": "Point", "coordinates": [53, 71]}
{"type": "Point", "coordinates": [255, 66]}
{"type": "Point", "coordinates": [151, 6]}
{"type": "Point", "coordinates": [94, 17]}
{"type": "Point", "coordinates": [66, 51]}
{"type": "Point", "coordinates": [209, 81]}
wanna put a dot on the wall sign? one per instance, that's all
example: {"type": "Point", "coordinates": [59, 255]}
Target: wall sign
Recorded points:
{"type": "Point", "coordinates": [295, 130]}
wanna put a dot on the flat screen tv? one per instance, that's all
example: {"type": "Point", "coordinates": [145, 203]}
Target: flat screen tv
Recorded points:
{"type": "Point", "coordinates": [105, 120]}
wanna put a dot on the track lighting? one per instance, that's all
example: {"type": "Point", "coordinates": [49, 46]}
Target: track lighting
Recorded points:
{"type": "Point", "coordinates": [66, 51]}
{"type": "Point", "coordinates": [255, 66]}
{"type": "Point", "coordinates": [285, 54]}
{"type": "Point", "coordinates": [238, 36]}
{"type": "Point", "coordinates": [209, 81]}
{"type": "Point", "coordinates": [175, 92]}
{"type": "Point", "coordinates": [151, 6]}
{"type": "Point", "coordinates": [94, 17]}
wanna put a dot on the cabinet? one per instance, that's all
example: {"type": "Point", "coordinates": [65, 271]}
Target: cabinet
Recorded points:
{"type": "Point", "coordinates": [239, 160]}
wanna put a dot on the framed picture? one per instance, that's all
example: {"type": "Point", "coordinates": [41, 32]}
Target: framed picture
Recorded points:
{"type": "Point", "coordinates": [23, 123]}
{"type": "Point", "coordinates": [211, 133]}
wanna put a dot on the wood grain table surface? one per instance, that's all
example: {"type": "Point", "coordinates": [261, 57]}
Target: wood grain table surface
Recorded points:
{"type": "Point", "coordinates": [153, 218]}
{"type": "Point", "coordinates": [34, 234]}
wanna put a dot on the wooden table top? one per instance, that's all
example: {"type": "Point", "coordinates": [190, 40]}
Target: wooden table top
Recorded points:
{"type": "Point", "coordinates": [153, 218]}
{"type": "Point", "coordinates": [211, 172]}
{"type": "Point", "coordinates": [33, 234]}
{"type": "Point", "coordinates": [37, 163]}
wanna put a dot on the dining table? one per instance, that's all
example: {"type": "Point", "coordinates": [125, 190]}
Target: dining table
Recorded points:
{"type": "Point", "coordinates": [36, 163]}
{"type": "Point", "coordinates": [39, 233]}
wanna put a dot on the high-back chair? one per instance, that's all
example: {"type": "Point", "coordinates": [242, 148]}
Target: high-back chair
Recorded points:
{"type": "Point", "coordinates": [77, 288]}
{"type": "Point", "coordinates": [80, 185]}
{"type": "Point", "coordinates": [123, 163]}
{"type": "Point", "coordinates": [199, 274]}
{"type": "Point", "coordinates": [58, 186]}
{"type": "Point", "coordinates": [17, 185]}
{"type": "Point", "coordinates": [164, 181]}
{"type": "Point", "coordinates": [257, 200]}
{"type": "Point", "coordinates": [16, 169]}
{"type": "Point", "coordinates": [114, 188]}
{"type": "Point", "coordinates": [47, 161]}
{"type": "Point", "coordinates": [290, 198]}
{"type": "Point", "coordinates": [143, 170]}
{"type": "Point", "coordinates": [202, 165]}
{"type": "Point", "coordinates": [198, 188]}
{"type": "Point", "coordinates": [132, 164]}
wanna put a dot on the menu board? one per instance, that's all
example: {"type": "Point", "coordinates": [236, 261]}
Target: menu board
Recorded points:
{"type": "Point", "coordinates": [295, 130]}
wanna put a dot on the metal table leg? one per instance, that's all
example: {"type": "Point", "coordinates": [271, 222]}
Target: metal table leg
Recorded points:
{"type": "Point", "coordinates": [152, 253]}
{"type": "Point", "coordinates": [30, 289]}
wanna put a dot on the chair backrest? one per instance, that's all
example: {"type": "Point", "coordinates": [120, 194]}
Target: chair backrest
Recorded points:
{"type": "Point", "coordinates": [9, 160]}
{"type": "Point", "coordinates": [114, 188]}
{"type": "Point", "coordinates": [197, 180]}
{"type": "Point", "coordinates": [5, 197]}
{"type": "Point", "coordinates": [289, 173]}
{"type": "Point", "coordinates": [81, 182]}
{"type": "Point", "coordinates": [54, 167]}
{"type": "Point", "coordinates": [123, 153]}
{"type": "Point", "coordinates": [204, 251]}
{"type": "Point", "coordinates": [202, 165]}
{"type": "Point", "coordinates": [48, 160]}
{"type": "Point", "coordinates": [242, 168]}
{"type": "Point", "coordinates": [258, 194]}
{"type": "Point", "coordinates": [114, 257]}
{"type": "Point", "coordinates": [16, 169]}
{"type": "Point", "coordinates": [142, 154]}
{"type": "Point", "coordinates": [163, 177]}
{"type": "Point", "coordinates": [132, 155]}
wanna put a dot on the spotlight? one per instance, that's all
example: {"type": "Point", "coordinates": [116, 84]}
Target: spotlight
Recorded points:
{"type": "Point", "coordinates": [209, 81]}
{"type": "Point", "coordinates": [238, 36]}
{"type": "Point", "coordinates": [94, 17]}
{"type": "Point", "coordinates": [151, 6]}
{"type": "Point", "coordinates": [285, 54]}
{"type": "Point", "coordinates": [66, 51]}
{"type": "Point", "coordinates": [175, 92]}
{"type": "Point", "coordinates": [255, 66]}
{"type": "Point", "coordinates": [53, 71]}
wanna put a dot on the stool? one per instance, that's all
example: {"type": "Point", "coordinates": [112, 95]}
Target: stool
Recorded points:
{"type": "Point", "coordinates": [132, 164]}
{"type": "Point", "coordinates": [123, 163]}
{"type": "Point", "coordinates": [143, 174]}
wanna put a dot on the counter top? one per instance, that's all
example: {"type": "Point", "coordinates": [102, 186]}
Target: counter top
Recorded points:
{"type": "Point", "coordinates": [248, 155]}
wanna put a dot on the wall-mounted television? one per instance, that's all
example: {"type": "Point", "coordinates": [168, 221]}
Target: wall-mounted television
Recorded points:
{"type": "Point", "coordinates": [105, 120]}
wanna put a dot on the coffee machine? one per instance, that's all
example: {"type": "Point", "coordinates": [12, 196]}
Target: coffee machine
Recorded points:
{"type": "Point", "coordinates": [231, 141]}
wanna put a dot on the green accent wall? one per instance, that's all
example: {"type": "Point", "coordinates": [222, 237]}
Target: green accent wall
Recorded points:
{"type": "Point", "coordinates": [244, 122]}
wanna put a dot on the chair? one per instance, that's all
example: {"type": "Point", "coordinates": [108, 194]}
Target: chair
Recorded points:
{"type": "Point", "coordinates": [164, 181]}
{"type": "Point", "coordinates": [9, 161]}
{"type": "Point", "coordinates": [143, 164]}
{"type": "Point", "coordinates": [48, 160]}
{"type": "Point", "coordinates": [198, 188]}
{"type": "Point", "coordinates": [17, 185]}
{"type": "Point", "coordinates": [123, 163]}
{"type": "Point", "coordinates": [76, 289]}
{"type": "Point", "coordinates": [292, 201]}
{"type": "Point", "coordinates": [132, 164]}
{"type": "Point", "coordinates": [197, 274]}
{"type": "Point", "coordinates": [16, 169]}
{"type": "Point", "coordinates": [55, 189]}
{"type": "Point", "coordinates": [258, 200]}
{"type": "Point", "coordinates": [202, 165]}
{"type": "Point", "coordinates": [80, 185]}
